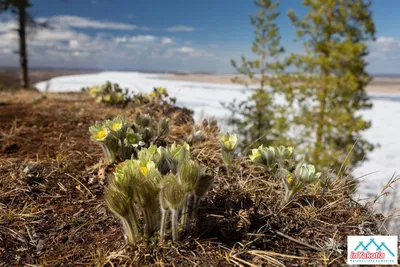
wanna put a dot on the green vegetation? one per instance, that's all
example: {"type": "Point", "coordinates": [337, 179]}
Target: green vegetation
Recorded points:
{"type": "Point", "coordinates": [259, 120]}
{"type": "Point", "coordinates": [324, 93]}
{"type": "Point", "coordinates": [329, 81]}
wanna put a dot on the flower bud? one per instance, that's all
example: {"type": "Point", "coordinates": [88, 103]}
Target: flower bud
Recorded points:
{"type": "Point", "coordinates": [269, 155]}
{"type": "Point", "coordinates": [172, 192]}
{"type": "Point", "coordinates": [143, 120]}
{"type": "Point", "coordinates": [203, 185]}
{"type": "Point", "coordinates": [189, 172]}
{"type": "Point", "coordinates": [163, 127]}
{"type": "Point", "coordinates": [117, 201]}
{"type": "Point", "coordinates": [285, 152]}
{"type": "Point", "coordinates": [306, 173]}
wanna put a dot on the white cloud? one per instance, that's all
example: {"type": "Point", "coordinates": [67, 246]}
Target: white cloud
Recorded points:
{"type": "Point", "coordinates": [66, 44]}
{"type": "Point", "coordinates": [386, 44]}
{"type": "Point", "coordinates": [7, 26]}
{"type": "Point", "coordinates": [136, 39]}
{"type": "Point", "coordinates": [185, 49]}
{"type": "Point", "coordinates": [384, 55]}
{"type": "Point", "coordinates": [80, 53]}
{"type": "Point", "coordinates": [166, 41]}
{"type": "Point", "coordinates": [143, 38]}
{"type": "Point", "coordinates": [73, 44]}
{"type": "Point", "coordinates": [82, 22]}
{"type": "Point", "coordinates": [48, 35]}
{"type": "Point", "coordinates": [181, 28]}
{"type": "Point", "coordinates": [6, 51]}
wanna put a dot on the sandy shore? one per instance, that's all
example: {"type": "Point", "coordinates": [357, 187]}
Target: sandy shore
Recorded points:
{"type": "Point", "coordinates": [378, 84]}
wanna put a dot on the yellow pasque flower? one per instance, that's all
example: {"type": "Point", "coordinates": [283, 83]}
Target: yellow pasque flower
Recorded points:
{"type": "Point", "coordinates": [162, 90]}
{"type": "Point", "coordinates": [290, 180]}
{"type": "Point", "coordinates": [99, 132]}
{"type": "Point", "coordinates": [228, 141]}
{"type": "Point", "coordinates": [255, 154]}
{"type": "Point", "coordinates": [152, 94]}
{"type": "Point", "coordinates": [107, 98]}
{"type": "Point", "coordinates": [93, 91]}
{"type": "Point", "coordinates": [116, 126]}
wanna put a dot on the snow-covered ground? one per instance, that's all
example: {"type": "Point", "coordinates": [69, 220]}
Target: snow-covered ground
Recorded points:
{"type": "Point", "coordinates": [205, 99]}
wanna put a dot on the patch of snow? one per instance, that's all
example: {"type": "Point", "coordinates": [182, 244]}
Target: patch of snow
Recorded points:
{"type": "Point", "coordinates": [205, 99]}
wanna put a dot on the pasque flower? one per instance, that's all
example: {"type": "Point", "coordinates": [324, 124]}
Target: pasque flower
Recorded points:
{"type": "Point", "coordinates": [228, 144]}
{"type": "Point", "coordinates": [303, 175]}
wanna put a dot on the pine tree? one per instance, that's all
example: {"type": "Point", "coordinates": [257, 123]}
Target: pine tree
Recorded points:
{"type": "Point", "coordinates": [254, 119]}
{"type": "Point", "coordinates": [329, 81]}
{"type": "Point", "coordinates": [19, 7]}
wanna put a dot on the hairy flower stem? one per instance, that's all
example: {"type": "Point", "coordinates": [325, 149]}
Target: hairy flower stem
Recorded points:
{"type": "Point", "coordinates": [164, 214]}
{"type": "Point", "coordinates": [134, 220]}
{"type": "Point", "coordinates": [147, 224]}
{"type": "Point", "coordinates": [108, 154]}
{"type": "Point", "coordinates": [228, 170]}
{"type": "Point", "coordinates": [227, 158]}
{"type": "Point", "coordinates": [174, 224]}
{"type": "Point", "coordinates": [129, 232]}
{"type": "Point", "coordinates": [185, 209]}
{"type": "Point", "coordinates": [196, 202]}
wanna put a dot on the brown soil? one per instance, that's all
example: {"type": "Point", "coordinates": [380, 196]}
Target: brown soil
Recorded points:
{"type": "Point", "coordinates": [9, 78]}
{"type": "Point", "coordinates": [52, 211]}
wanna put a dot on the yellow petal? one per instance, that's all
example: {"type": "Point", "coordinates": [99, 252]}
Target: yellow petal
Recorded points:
{"type": "Point", "coordinates": [116, 126]}
{"type": "Point", "coordinates": [101, 134]}
{"type": "Point", "coordinates": [144, 171]}
{"type": "Point", "coordinates": [290, 179]}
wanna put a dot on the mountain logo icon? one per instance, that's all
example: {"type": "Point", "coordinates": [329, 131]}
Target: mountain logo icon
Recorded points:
{"type": "Point", "coordinates": [372, 242]}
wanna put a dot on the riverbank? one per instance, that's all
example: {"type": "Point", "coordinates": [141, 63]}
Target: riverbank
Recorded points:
{"type": "Point", "coordinates": [377, 85]}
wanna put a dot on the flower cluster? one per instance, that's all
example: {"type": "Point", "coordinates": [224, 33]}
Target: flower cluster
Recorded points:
{"type": "Point", "coordinates": [280, 160]}
{"type": "Point", "coordinates": [159, 92]}
{"type": "Point", "coordinates": [120, 140]}
{"type": "Point", "coordinates": [108, 93]}
{"type": "Point", "coordinates": [162, 181]}
{"type": "Point", "coordinates": [273, 157]}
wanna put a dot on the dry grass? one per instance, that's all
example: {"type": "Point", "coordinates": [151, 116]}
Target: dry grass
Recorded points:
{"type": "Point", "coordinates": [52, 211]}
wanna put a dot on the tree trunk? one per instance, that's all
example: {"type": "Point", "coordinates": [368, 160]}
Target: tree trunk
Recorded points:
{"type": "Point", "coordinates": [23, 58]}
{"type": "Point", "coordinates": [322, 102]}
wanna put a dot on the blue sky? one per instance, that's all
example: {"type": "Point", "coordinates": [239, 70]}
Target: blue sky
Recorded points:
{"type": "Point", "coordinates": [184, 35]}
